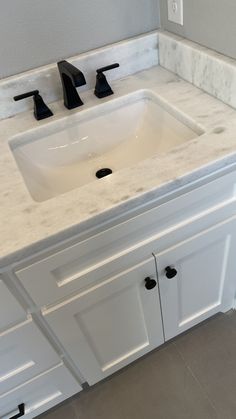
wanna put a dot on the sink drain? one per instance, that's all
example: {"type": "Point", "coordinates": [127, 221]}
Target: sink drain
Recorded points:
{"type": "Point", "coordinates": [103, 172]}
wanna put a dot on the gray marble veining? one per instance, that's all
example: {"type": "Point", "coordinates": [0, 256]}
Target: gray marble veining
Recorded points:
{"type": "Point", "coordinates": [210, 71]}
{"type": "Point", "coordinates": [28, 226]}
{"type": "Point", "coordinates": [133, 55]}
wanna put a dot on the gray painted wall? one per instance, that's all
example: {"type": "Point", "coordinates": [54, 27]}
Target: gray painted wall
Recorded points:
{"type": "Point", "coordinates": [209, 22]}
{"type": "Point", "coordinates": [38, 32]}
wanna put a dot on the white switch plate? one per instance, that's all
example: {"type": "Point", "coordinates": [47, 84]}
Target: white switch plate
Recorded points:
{"type": "Point", "coordinates": [175, 11]}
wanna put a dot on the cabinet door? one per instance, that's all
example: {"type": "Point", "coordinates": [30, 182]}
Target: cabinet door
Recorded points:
{"type": "Point", "coordinates": [111, 324]}
{"type": "Point", "coordinates": [196, 278]}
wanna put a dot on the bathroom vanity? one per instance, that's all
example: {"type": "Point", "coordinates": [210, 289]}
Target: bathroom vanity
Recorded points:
{"type": "Point", "coordinates": [120, 293]}
{"type": "Point", "coordinates": [102, 271]}
{"type": "Point", "coordinates": [100, 302]}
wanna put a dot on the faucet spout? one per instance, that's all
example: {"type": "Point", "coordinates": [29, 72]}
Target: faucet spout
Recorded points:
{"type": "Point", "coordinates": [71, 77]}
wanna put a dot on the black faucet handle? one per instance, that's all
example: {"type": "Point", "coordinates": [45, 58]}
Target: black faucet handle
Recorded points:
{"type": "Point", "coordinates": [25, 95]}
{"type": "Point", "coordinates": [102, 88]}
{"type": "Point", "coordinates": [107, 68]}
{"type": "Point", "coordinates": [41, 110]}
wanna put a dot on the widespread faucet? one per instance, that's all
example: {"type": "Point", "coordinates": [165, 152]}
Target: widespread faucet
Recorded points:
{"type": "Point", "coordinates": [71, 77]}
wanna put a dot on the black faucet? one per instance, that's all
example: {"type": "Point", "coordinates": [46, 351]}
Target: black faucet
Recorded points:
{"type": "Point", "coordinates": [71, 77]}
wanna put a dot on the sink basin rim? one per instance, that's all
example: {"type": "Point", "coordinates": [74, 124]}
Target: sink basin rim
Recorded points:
{"type": "Point", "coordinates": [57, 125]}
{"type": "Point", "coordinates": [48, 175]}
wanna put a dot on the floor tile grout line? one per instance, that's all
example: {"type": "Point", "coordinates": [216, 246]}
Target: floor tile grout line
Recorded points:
{"type": "Point", "coordinates": [197, 380]}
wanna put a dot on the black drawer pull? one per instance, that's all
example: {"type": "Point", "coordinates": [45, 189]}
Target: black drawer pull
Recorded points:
{"type": "Point", "coordinates": [21, 408]}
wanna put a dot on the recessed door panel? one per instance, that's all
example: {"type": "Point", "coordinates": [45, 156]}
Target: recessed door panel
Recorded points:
{"type": "Point", "coordinates": [111, 324]}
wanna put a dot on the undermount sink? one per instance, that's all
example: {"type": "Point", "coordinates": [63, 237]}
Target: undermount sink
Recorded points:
{"type": "Point", "coordinates": [66, 154]}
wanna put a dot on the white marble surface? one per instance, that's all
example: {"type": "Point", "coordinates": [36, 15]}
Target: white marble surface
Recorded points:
{"type": "Point", "coordinates": [27, 226]}
{"type": "Point", "coordinates": [133, 55]}
{"type": "Point", "coordinates": [210, 71]}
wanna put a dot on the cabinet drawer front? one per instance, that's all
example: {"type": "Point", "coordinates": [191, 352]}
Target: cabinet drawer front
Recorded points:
{"type": "Point", "coordinates": [111, 324]}
{"type": "Point", "coordinates": [59, 275]}
{"type": "Point", "coordinates": [40, 394]}
{"type": "Point", "coordinates": [24, 353]}
{"type": "Point", "coordinates": [10, 310]}
{"type": "Point", "coordinates": [200, 278]}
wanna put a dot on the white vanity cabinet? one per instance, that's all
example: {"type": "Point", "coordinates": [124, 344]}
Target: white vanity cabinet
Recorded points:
{"type": "Point", "coordinates": [112, 323]}
{"type": "Point", "coordinates": [197, 277]}
{"type": "Point", "coordinates": [113, 295]}
{"type": "Point", "coordinates": [115, 320]}
{"type": "Point", "coordinates": [60, 273]}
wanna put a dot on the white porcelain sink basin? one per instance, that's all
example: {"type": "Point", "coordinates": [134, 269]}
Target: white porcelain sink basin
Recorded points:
{"type": "Point", "coordinates": [66, 154]}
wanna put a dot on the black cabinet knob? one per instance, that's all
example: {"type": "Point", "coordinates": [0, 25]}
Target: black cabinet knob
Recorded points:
{"type": "Point", "coordinates": [171, 272]}
{"type": "Point", "coordinates": [150, 283]}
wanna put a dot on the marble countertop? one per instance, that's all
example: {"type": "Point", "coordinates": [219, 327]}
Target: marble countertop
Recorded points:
{"type": "Point", "coordinates": [28, 226]}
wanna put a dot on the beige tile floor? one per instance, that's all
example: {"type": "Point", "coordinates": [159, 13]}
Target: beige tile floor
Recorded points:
{"type": "Point", "coordinates": [192, 377]}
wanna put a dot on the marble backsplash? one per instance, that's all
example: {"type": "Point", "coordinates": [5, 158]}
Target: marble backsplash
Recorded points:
{"type": "Point", "coordinates": [204, 68]}
{"type": "Point", "coordinates": [133, 55]}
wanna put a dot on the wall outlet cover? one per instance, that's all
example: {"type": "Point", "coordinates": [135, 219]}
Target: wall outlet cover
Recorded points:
{"type": "Point", "coordinates": [175, 11]}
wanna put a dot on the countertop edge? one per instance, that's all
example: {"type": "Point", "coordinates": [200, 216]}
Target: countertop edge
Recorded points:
{"type": "Point", "coordinates": [162, 193]}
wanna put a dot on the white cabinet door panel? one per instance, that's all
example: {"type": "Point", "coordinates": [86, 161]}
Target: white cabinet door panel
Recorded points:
{"type": "Point", "coordinates": [204, 284]}
{"type": "Point", "coordinates": [24, 353]}
{"type": "Point", "coordinates": [40, 393]}
{"type": "Point", "coordinates": [111, 324]}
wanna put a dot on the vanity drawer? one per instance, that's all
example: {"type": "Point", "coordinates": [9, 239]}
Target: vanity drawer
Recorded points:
{"type": "Point", "coordinates": [24, 353]}
{"type": "Point", "coordinates": [40, 394]}
{"type": "Point", "coordinates": [67, 271]}
{"type": "Point", "coordinates": [10, 310]}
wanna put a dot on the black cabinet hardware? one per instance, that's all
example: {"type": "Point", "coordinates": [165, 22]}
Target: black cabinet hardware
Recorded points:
{"type": "Point", "coordinates": [71, 77]}
{"type": "Point", "coordinates": [21, 408]}
{"type": "Point", "coordinates": [41, 110]}
{"type": "Point", "coordinates": [171, 272]}
{"type": "Point", "coordinates": [102, 88]}
{"type": "Point", "coordinates": [150, 283]}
